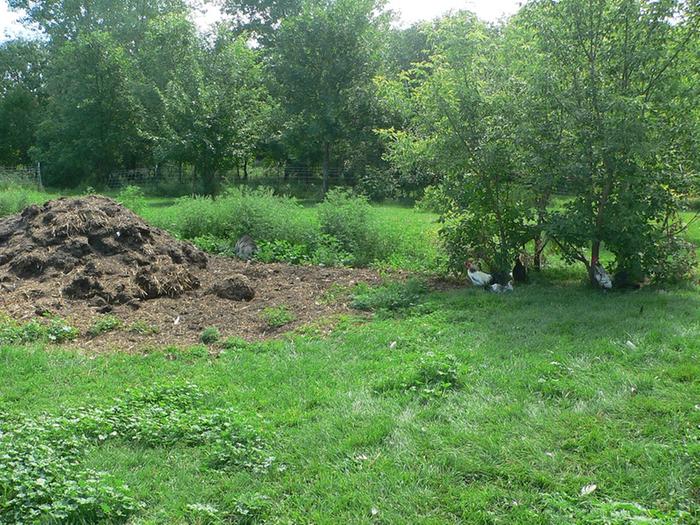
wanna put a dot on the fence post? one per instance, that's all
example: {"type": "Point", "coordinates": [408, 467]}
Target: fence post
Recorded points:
{"type": "Point", "coordinates": [38, 176]}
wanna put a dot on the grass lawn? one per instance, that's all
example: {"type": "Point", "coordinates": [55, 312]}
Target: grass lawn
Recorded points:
{"type": "Point", "coordinates": [543, 397]}
{"type": "Point", "coordinates": [553, 405]}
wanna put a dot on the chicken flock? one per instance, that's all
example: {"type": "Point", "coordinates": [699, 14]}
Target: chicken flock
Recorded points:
{"type": "Point", "coordinates": [497, 283]}
{"type": "Point", "coordinates": [502, 282]}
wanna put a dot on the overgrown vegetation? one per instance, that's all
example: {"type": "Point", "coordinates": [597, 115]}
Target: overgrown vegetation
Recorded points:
{"type": "Point", "coordinates": [133, 198]}
{"type": "Point", "coordinates": [344, 230]}
{"type": "Point", "coordinates": [14, 198]}
{"type": "Point", "coordinates": [258, 213]}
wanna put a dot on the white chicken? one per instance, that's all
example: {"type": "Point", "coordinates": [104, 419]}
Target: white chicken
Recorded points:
{"type": "Point", "coordinates": [502, 288]}
{"type": "Point", "coordinates": [478, 278]}
{"type": "Point", "coordinates": [601, 276]}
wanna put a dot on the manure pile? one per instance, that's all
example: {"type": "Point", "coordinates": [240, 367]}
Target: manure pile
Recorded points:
{"type": "Point", "coordinates": [94, 249]}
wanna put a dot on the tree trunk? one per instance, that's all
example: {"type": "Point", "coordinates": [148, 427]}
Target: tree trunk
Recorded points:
{"type": "Point", "coordinates": [245, 169]}
{"type": "Point", "coordinates": [539, 249]}
{"type": "Point", "coordinates": [326, 162]}
{"type": "Point", "coordinates": [595, 256]}
{"type": "Point", "coordinates": [210, 181]}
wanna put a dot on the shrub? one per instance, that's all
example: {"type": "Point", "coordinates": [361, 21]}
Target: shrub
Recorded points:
{"type": "Point", "coordinates": [324, 250]}
{"type": "Point", "coordinates": [379, 185]}
{"type": "Point", "coordinates": [133, 198]}
{"type": "Point", "coordinates": [277, 317]}
{"type": "Point", "coordinates": [105, 324]}
{"type": "Point", "coordinates": [212, 244]}
{"type": "Point", "coordinates": [258, 213]}
{"type": "Point", "coordinates": [210, 335]}
{"type": "Point", "coordinates": [434, 200]}
{"type": "Point", "coordinates": [349, 219]}
{"type": "Point", "coordinates": [329, 251]}
{"type": "Point", "coordinates": [283, 251]}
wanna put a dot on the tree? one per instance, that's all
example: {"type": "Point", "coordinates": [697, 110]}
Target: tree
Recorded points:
{"type": "Point", "coordinates": [217, 113]}
{"type": "Point", "coordinates": [462, 123]}
{"type": "Point", "coordinates": [171, 53]}
{"type": "Point", "coordinates": [125, 20]}
{"type": "Point", "coordinates": [322, 63]}
{"type": "Point", "coordinates": [92, 122]}
{"type": "Point", "coordinates": [23, 65]}
{"type": "Point", "coordinates": [260, 17]}
{"type": "Point", "coordinates": [615, 70]}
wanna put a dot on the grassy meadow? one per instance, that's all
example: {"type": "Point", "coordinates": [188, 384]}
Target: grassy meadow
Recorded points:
{"type": "Point", "coordinates": [556, 404]}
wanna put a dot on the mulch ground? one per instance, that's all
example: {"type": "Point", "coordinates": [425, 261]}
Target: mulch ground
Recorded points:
{"type": "Point", "coordinates": [306, 291]}
{"type": "Point", "coordinates": [84, 258]}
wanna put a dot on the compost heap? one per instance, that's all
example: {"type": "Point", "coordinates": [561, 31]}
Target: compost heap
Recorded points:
{"type": "Point", "coordinates": [94, 249]}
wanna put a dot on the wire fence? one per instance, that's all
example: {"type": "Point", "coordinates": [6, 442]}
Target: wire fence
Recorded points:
{"type": "Point", "coordinates": [177, 180]}
{"type": "Point", "coordinates": [173, 180]}
{"type": "Point", "coordinates": [20, 176]}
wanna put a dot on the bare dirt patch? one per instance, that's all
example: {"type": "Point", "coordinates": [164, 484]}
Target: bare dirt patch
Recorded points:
{"type": "Point", "coordinates": [83, 258]}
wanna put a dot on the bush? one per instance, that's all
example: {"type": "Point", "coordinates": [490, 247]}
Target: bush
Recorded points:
{"type": "Point", "coordinates": [324, 250]}
{"type": "Point", "coordinates": [433, 200]}
{"type": "Point", "coordinates": [346, 233]}
{"type": "Point", "coordinates": [350, 220]}
{"type": "Point", "coordinates": [211, 244]}
{"type": "Point", "coordinates": [258, 213]}
{"type": "Point", "coordinates": [283, 251]}
{"type": "Point", "coordinates": [329, 251]}
{"type": "Point", "coordinates": [379, 185]}
{"type": "Point", "coordinates": [133, 198]}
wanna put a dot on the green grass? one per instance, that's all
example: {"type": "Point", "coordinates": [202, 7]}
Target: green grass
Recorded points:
{"type": "Point", "coordinates": [451, 407]}
{"type": "Point", "coordinates": [545, 398]}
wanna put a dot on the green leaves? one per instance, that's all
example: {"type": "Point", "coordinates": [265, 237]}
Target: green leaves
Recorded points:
{"type": "Point", "coordinates": [41, 474]}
